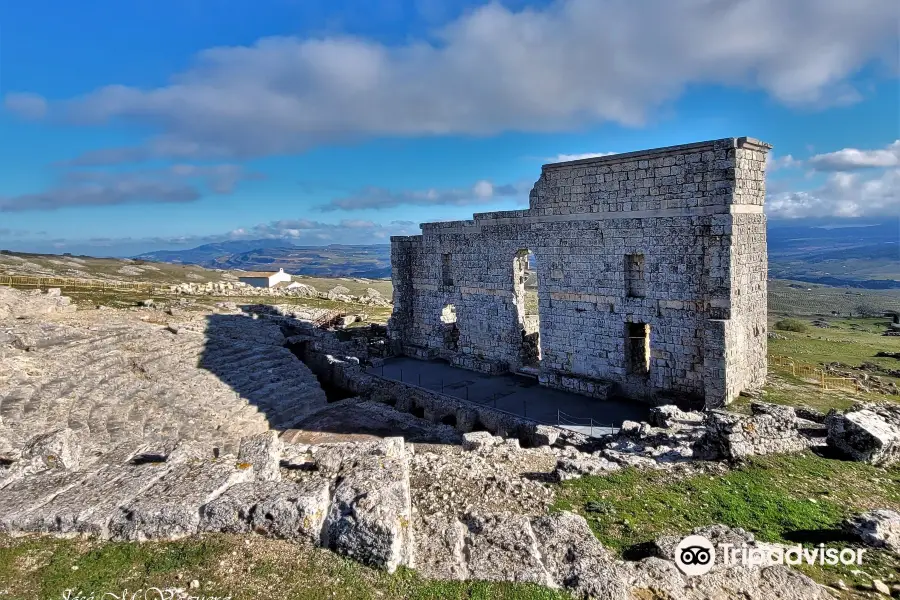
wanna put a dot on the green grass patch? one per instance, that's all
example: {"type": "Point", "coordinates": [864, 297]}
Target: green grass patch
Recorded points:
{"type": "Point", "coordinates": [782, 498]}
{"type": "Point", "coordinates": [44, 568]}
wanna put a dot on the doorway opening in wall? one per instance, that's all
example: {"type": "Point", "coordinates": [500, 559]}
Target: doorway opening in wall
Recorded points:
{"type": "Point", "coordinates": [525, 296]}
{"type": "Point", "coordinates": [637, 348]}
{"type": "Point", "coordinates": [451, 331]}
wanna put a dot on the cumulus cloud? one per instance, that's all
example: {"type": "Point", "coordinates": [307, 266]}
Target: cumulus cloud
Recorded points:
{"type": "Point", "coordinates": [843, 195]}
{"type": "Point", "coordinates": [172, 185]}
{"type": "Point", "coordinates": [777, 163]}
{"type": "Point", "coordinates": [494, 69]}
{"type": "Point", "coordinates": [849, 159]}
{"type": "Point", "coordinates": [376, 197]}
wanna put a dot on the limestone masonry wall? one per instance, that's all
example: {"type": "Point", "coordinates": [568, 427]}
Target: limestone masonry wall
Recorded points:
{"type": "Point", "coordinates": [651, 271]}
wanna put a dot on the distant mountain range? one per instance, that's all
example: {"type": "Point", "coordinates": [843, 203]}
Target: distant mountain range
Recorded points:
{"type": "Point", "coordinates": [862, 256]}
{"type": "Point", "coordinates": [829, 254]}
{"type": "Point", "coordinates": [371, 262]}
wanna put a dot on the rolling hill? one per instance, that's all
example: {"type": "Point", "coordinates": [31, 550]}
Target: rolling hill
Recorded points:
{"type": "Point", "coordinates": [861, 256]}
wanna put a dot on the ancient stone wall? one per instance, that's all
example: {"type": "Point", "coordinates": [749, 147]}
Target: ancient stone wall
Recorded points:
{"type": "Point", "coordinates": [651, 271]}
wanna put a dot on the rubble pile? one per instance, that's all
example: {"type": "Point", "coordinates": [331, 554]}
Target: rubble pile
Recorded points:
{"type": "Point", "coordinates": [339, 293]}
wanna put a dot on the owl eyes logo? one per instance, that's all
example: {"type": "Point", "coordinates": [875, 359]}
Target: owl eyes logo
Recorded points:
{"type": "Point", "coordinates": [695, 555]}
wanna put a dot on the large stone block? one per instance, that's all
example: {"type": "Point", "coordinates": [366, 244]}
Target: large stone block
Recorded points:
{"type": "Point", "coordinates": [866, 435]}
{"type": "Point", "coordinates": [263, 451]}
{"type": "Point", "coordinates": [282, 509]}
{"type": "Point", "coordinates": [370, 518]}
{"type": "Point", "coordinates": [171, 508]}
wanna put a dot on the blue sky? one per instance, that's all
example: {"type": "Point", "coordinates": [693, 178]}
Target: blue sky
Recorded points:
{"type": "Point", "coordinates": [133, 126]}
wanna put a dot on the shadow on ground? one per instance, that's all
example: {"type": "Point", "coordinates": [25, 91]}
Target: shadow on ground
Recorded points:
{"type": "Point", "coordinates": [249, 356]}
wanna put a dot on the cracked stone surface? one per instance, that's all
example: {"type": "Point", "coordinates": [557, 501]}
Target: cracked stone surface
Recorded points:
{"type": "Point", "coordinates": [170, 508]}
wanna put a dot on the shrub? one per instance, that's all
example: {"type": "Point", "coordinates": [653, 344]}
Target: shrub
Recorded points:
{"type": "Point", "coordinates": [792, 325]}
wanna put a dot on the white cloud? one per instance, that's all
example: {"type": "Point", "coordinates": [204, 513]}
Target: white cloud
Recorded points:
{"type": "Point", "coordinates": [777, 163]}
{"type": "Point", "coordinates": [849, 159]}
{"type": "Point", "coordinates": [175, 184]}
{"type": "Point", "coordinates": [376, 197]}
{"type": "Point", "coordinates": [493, 69]}
{"type": "Point", "coordinates": [27, 106]}
{"type": "Point", "coordinates": [567, 157]}
{"type": "Point", "coordinates": [843, 195]}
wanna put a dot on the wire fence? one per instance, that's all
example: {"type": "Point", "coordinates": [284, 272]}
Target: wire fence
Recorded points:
{"type": "Point", "coordinates": [568, 421]}
{"type": "Point", "coordinates": [816, 373]}
{"type": "Point", "coordinates": [71, 283]}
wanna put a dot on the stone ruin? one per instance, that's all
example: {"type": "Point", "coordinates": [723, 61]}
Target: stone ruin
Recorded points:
{"type": "Point", "coordinates": [651, 270]}
{"type": "Point", "coordinates": [126, 425]}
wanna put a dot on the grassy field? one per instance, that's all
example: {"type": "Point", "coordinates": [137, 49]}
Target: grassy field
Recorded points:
{"type": "Point", "coordinates": [786, 499]}
{"type": "Point", "coordinates": [799, 298]}
{"type": "Point", "coordinates": [243, 568]}
{"type": "Point", "coordinates": [140, 271]}
{"type": "Point", "coordinates": [357, 287]}
{"type": "Point", "coordinates": [109, 269]}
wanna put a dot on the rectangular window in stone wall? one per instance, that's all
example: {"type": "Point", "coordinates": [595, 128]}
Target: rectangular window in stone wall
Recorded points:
{"type": "Point", "coordinates": [446, 276]}
{"type": "Point", "coordinates": [635, 285]}
{"type": "Point", "coordinates": [637, 348]}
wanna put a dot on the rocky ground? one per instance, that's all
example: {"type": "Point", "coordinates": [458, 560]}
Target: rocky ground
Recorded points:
{"type": "Point", "coordinates": [112, 376]}
{"type": "Point", "coordinates": [143, 424]}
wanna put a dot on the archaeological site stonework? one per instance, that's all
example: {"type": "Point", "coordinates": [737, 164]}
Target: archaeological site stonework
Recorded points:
{"type": "Point", "coordinates": [651, 277]}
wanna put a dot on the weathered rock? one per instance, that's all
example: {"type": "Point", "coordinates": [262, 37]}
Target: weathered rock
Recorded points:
{"type": "Point", "coordinates": [16, 304]}
{"type": "Point", "coordinates": [263, 451]}
{"type": "Point", "coordinates": [60, 449]}
{"type": "Point", "coordinates": [783, 414]}
{"type": "Point", "coordinates": [19, 497]}
{"type": "Point", "coordinates": [576, 560]}
{"type": "Point", "coordinates": [878, 528]}
{"type": "Point", "coordinates": [503, 547]}
{"type": "Point", "coordinates": [170, 509]}
{"type": "Point", "coordinates": [865, 435]}
{"type": "Point", "coordinates": [544, 435]}
{"type": "Point", "coordinates": [88, 507]}
{"type": "Point", "coordinates": [669, 415]}
{"type": "Point", "coordinates": [574, 467]}
{"type": "Point", "coordinates": [370, 514]}
{"type": "Point", "coordinates": [735, 437]}
{"type": "Point", "coordinates": [337, 292]}
{"type": "Point", "coordinates": [660, 576]}
{"type": "Point", "coordinates": [480, 440]}
{"type": "Point", "coordinates": [440, 551]}
{"type": "Point", "coordinates": [333, 458]}
{"type": "Point", "coordinates": [810, 414]}
{"type": "Point", "coordinates": [630, 428]}
{"type": "Point", "coordinates": [283, 509]}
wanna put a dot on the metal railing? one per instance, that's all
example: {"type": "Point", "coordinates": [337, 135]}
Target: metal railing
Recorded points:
{"type": "Point", "coordinates": [565, 420]}
{"type": "Point", "coordinates": [445, 388]}
{"type": "Point", "coordinates": [826, 382]}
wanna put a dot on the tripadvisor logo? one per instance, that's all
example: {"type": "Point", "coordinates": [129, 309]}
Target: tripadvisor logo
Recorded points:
{"type": "Point", "coordinates": [696, 555]}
